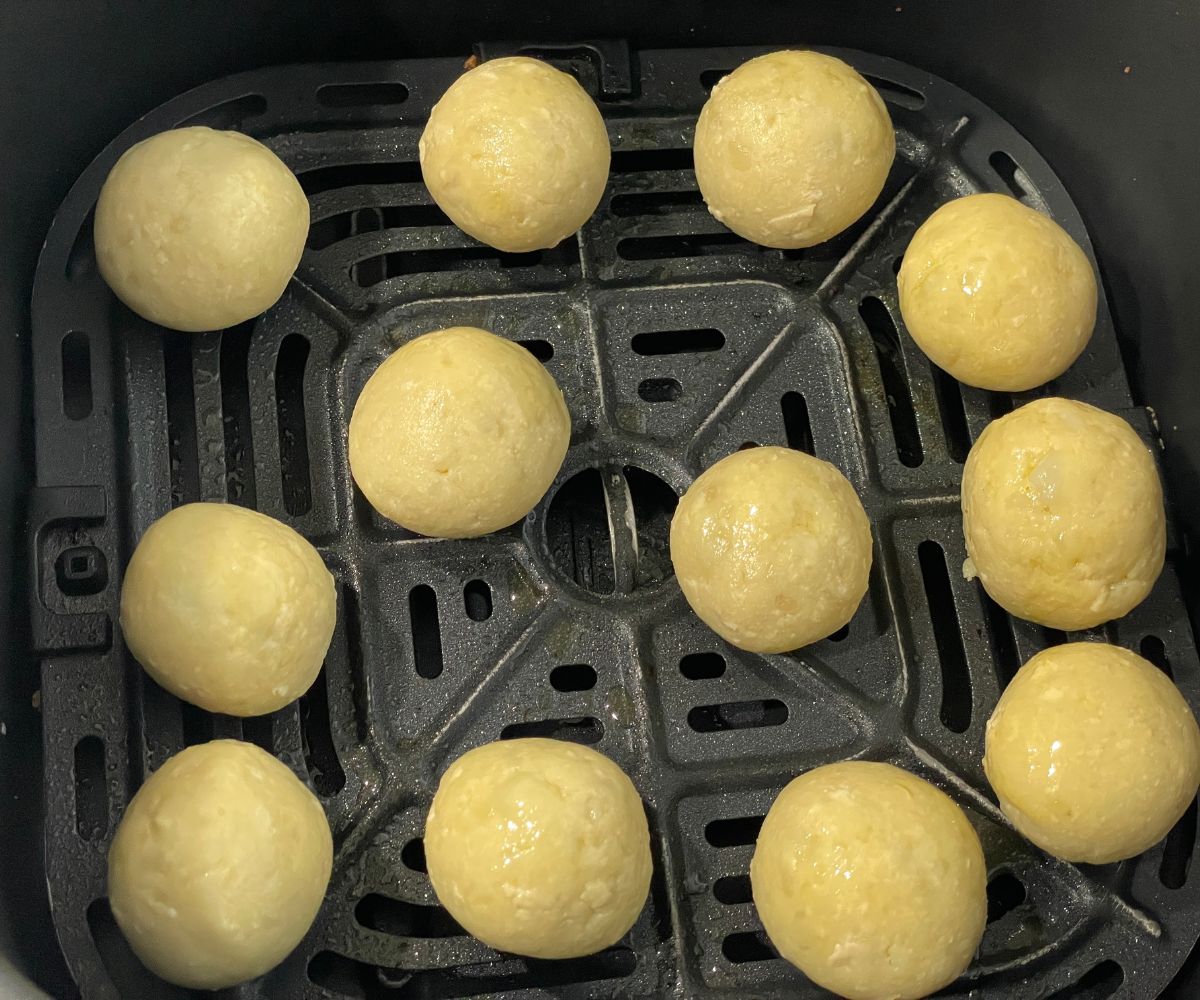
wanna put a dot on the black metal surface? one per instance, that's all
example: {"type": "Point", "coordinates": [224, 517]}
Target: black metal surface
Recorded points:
{"type": "Point", "coordinates": [810, 353]}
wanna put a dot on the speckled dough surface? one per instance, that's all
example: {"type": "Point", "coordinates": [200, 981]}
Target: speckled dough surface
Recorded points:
{"type": "Point", "coordinates": [200, 230]}
{"type": "Point", "coordinates": [539, 847]}
{"type": "Point", "coordinates": [997, 294]}
{"type": "Point", "coordinates": [219, 865]}
{"type": "Point", "coordinates": [1093, 753]}
{"type": "Point", "coordinates": [871, 881]}
{"type": "Point", "coordinates": [516, 153]}
{"type": "Point", "coordinates": [228, 608]}
{"type": "Point", "coordinates": [458, 433]}
{"type": "Point", "coordinates": [791, 148]}
{"type": "Point", "coordinates": [1063, 514]}
{"type": "Point", "coordinates": [772, 549]}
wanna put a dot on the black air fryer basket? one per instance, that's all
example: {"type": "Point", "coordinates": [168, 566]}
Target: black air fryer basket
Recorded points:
{"type": "Point", "coordinates": [676, 343]}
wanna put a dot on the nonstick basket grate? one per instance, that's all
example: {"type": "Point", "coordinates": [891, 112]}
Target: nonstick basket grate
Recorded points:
{"type": "Point", "coordinates": [676, 343]}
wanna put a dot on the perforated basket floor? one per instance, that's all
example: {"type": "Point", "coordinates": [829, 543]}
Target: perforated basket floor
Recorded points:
{"type": "Point", "coordinates": [676, 342]}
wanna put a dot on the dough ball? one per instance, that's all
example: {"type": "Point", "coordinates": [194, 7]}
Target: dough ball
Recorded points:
{"type": "Point", "coordinates": [791, 148]}
{"type": "Point", "coordinates": [219, 865]}
{"type": "Point", "coordinates": [458, 433]}
{"type": "Point", "coordinates": [871, 881]}
{"type": "Point", "coordinates": [200, 230]}
{"type": "Point", "coordinates": [228, 608]}
{"type": "Point", "coordinates": [772, 549]}
{"type": "Point", "coordinates": [516, 153]}
{"type": "Point", "coordinates": [539, 847]}
{"type": "Point", "coordinates": [1093, 753]}
{"type": "Point", "coordinates": [1063, 514]}
{"type": "Point", "coordinates": [997, 294]}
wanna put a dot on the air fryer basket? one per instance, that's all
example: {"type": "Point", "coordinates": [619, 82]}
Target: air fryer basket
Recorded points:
{"type": "Point", "coordinates": [676, 343]}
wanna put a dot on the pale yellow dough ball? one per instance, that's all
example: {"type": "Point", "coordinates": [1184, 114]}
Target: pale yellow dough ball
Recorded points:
{"type": "Point", "coordinates": [228, 608]}
{"type": "Point", "coordinates": [219, 865]}
{"type": "Point", "coordinates": [772, 549]}
{"type": "Point", "coordinates": [871, 881]}
{"type": "Point", "coordinates": [1063, 514]}
{"type": "Point", "coordinates": [516, 153]}
{"type": "Point", "coordinates": [997, 294]}
{"type": "Point", "coordinates": [200, 230]}
{"type": "Point", "coordinates": [791, 148]}
{"type": "Point", "coordinates": [458, 433]}
{"type": "Point", "coordinates": [1093, 753]}
{"type": "Point", "coordinates": [539, 847]}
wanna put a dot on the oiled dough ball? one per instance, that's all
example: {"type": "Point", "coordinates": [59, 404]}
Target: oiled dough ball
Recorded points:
{"type": "Point", "coordinates": [458, 433]}
{"type": "Point", "coordinates": [871, 881]}
{"type": "Point", "coordinates": [772, 549]}
{"type": "Point", "coordinates": [200, 230]}
{"type": "Point", "coordinates": [539, 847]}
{"type": "Point", "coordinates": [1063, 514]}
{"type": "Point", "coordinates": [516, 153]}
{"type": "Point", "coordinates": [219, 865]}
{"type": "Point", "coordinates": [1093, 753]}
{"type": "Point", "coordinates": [791, 148]}
{"type": "Point", "coordinates": [228, 608]}
{"type": "Point", "coordinates": [997, 294]}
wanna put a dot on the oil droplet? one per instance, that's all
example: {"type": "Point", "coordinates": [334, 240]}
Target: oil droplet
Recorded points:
{"type": "Point", "coordinates": [618, 707]}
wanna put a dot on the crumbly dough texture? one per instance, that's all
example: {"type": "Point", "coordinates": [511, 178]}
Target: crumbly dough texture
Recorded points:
{"type": "Point", "coordinates": [457, 434]}
{"type": "Point", "coordinates": [539, 847]}
{"type": "Point", "coordinates": [1093, 753]}
{"type": "Point", "coordinates": [997, 294]}
{"type": "Point", "coordinates": [871, 881]}
{"type": "Point", "coordinates": [219, 865]}
{"type": "Point", "coordinates": [516, 153]}
{"type": "Point", "coordinates": [200, 230]}
{"type": "Point", "coordinates": [228, 608]}
{"type": "Point", "coordinates": [791, 148]}
{"type": "Point", "coordinates": [772, 549]}
{"type": "Point", "coordinates": [1063, 514]}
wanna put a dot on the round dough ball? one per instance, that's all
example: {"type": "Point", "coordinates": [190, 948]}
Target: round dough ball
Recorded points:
{"type": "Point", "coordinates": [228, 608]}
{"type": "Point", "coordinates": [772, 549]}
{"type": "Point", "coordinates": [1093, 753]}
{"type": "Point", "coordinates": [516, 153]}
{"type": "Point", "coordinates": [539, 847]}
{"type": "Point", "coordinates": [219, 865]}
{"type": "Point", "coordinates": [791, 148]}
{"type": "Point", "coordinates": [458, 433]}
{"type": "Point", "coordinates": [997, 294]}
{"type": "Point", "coordinates": [871, 881]}
{"type": "Point", "coordinates": [200, 230]}
{"type": "Point", "coordinates": [1063, 514]}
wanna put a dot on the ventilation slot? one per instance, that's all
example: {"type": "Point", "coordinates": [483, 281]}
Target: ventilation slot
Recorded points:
{"type": "Point", "coordinates": [543, 350]}
{"type": "Point", "coordinates": [360, 686]}
{"type": "Point", "coordinates": [654, 504]}
{"type": "Point", "coordinates": [637, 160]}
{"type": "Point", "coordinates": [1052, 636]}
{"type": "Point", "coordinates": [660, 390]}
{"type": "Point", "coordinates": [413, 855]}
{"type": "Point", "coordinates": [181, 419]}
{"type": "Point", "coordinates": [577, 532]}
{"type": "Point", "coordinates": [895, 386]}
{"type": "Point", "coordinates": [635, 248]}
{"type": "Point", "coordinates": [402, 262]}
{"type": "Point", "coordinates": [1005, 892]}
{"type": "Point", "coordinates": [76, 375]}
{"type": "Point", "coordinates": [1177, 851]}
{"type": "Point", "coordinates": [732, 889]}
{"type": "Point", "coordinates": [841, 635]}
{"type": "Point", "coordinates": [345, 976]}
{"type": "Point", "coordinates": [198, 725]}
{"type": "Point", "coordinates": [1000, 636]}
{"type": "Point", "coordinates": [357, 95]}
{"type": "Point", "coordinates": [320, 756]}
{"type": "Point", "coordinates": [677, 342]}
{"type": "Point", "coordinates": [1009, 171]}
{"type": "Point", "coordinates": [128, 976]}
{"type": "Point", "coordinates": [757, 714]}
{"type": "Point", "coordinates": [81, 261]}
{"type": "Point", "coordinates": [335, 228]}
{"type": "Point", "coordinates": [394, 916]}
{"type": "Point", "coordinates": [477, 600]}
{"type": "Point", "coordinates": [355, 174]}
{"type": "Point", "coordinates": [426, 631]}
{"type": "Point", "coordinates": [91, 795]}
{"type": "Point", "coordinates": [644, 203]}
{"type": "Point", "coordinates": [579, 729]}
{"type": "Point", "coordinates": [897, 93]}
{"type": "Point", "coordinates": [702, 666]}
{"type": "Point", "coordinates": [747, 946]}
{"type": "Point", "coordinates": [999, 404]}
{"type": "Point", "coordinates": [740, 831]}
{"type": "Point", "coordinates": [235, 413]}
{"type": "Point", "coordinates": [573, 677]}
{"type": "Point", "coordinates": [1102, 981]}
{"type": "Point", "coordinates": [796, 424]}
{"type": "Point", "coordinates": [956, 680]}
{"type": "Point", "coordinates": [954, 417]}
{"type": "Point", "coordinates": [293, 427]}
{"type": "Point", "coordinates": [260, 730]}
{"type": "Point", "coordinates": [1153, 649]}
{"type": "Point", "coordinates": [711, 77]}
{"type": "Point", "coordinates": [230, 114]}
